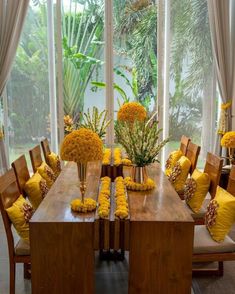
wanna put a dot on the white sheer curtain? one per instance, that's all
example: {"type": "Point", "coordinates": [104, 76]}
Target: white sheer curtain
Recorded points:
{"type": "Point", "coordinates": [224, 57]}
{"type": "Point", "coordinates": [12, 15]}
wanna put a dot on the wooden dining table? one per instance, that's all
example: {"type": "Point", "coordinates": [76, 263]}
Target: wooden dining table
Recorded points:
{"type": "Point", "coordinates": [160, 238]}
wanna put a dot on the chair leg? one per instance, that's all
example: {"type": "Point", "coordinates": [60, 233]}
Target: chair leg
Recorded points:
{"type": "Point", "coordinates": [27, 271]}
{"type": "Point", "coordinates": [12, 277]}
{"type": "Point", "coordinates": [209, 272]}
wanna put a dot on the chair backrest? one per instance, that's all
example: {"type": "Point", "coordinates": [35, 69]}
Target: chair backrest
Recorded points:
{"type": "Point", "coordinates": [46, 149]}
{"type": "Point", "coordinates": [192, 154]}
{"type": "Point", "coordinates": [184, 144]}
{"type": "Point", "coordinates": [22, 173]}
{"type": "Point", "coordinates": [9, 193]}
{"type": "Point", "coordinates": [213, 168]}
{"type": "Point", "coordinates": [36, 157]}
{"type": "Point", "coordinates": [231, 181]}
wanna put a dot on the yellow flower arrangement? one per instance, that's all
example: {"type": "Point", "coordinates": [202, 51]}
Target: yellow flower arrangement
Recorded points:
{"type": "Point", "coordinates": [106, 156]}
{"type": "Point", "coordinates": [87, 206]}
{"type": "Point", "coordinates": [131, 111]}
{"type": "Point", "coordinates": [228, 140]}
{"type": "Point", "coordinates": [104, 197]}
{"type": "Point", "coordinates": [126, 162]}
{"type": "Point", "coordinates": [149, 185]}
{"type": "Point", "coordinates": [121, 210]}
{"type": "Point", "coordinates": [117, 156]}
{"type": "Point", "coordinates": [82, 146]}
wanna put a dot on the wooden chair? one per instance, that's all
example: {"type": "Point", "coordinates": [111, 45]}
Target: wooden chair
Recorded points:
{"type": "Point", "coordinates": [213, 168]}
{"type": "Point", "coordinates": [46, 149]}
{"type": "Point", "coordinates": [22, 173]}
{"type": "Point", "coordinates": [192, 154]}
{"type": "Point", "coordinates": [36, 157]}
{"type": "Point", "coordinates": [231, 181]}
{"type": "Point", "coordinates": [184, 144]}
{"type": "Point", "coordinates": [20, 253]}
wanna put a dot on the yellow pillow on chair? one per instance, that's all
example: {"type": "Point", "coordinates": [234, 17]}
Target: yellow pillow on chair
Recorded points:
{"type": "Point", "coordinates": [54, 163]}
{"type": "Point", "coordinates": [47, 173]}
{"type": "Point", "coordinates": [220, 214]}
{"type": "Point", "coordinates": [20, 213]}
{"type": "Point", "coordinates": [36, 189]}
{"type": "Point", "coordinates": [195, 190]}
{"type": "Point", "coordinates": [179, 173]}
{"type": "Point", "coordinates": [171, 161]}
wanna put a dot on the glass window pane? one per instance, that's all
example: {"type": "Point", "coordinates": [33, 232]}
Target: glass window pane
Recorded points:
{"type": "Point", "coordinates": [27, 89]}
{"type": "Point", "coordinates": [83, 56]}
{"type": "Point", "coordinates": [192, 89]}
{"type": "Point", "coordinates": [135, 52]}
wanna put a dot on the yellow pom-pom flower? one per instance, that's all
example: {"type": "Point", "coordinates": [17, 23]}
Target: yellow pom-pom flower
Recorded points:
{"type": "Point", "coordinates": [131, 185]}
{"type": "Point", "coordinates": [117, 156]}
{"type": "Point", "coordinates": [87, 206]}
{"type": "Point", "coordinates": [104, 198]}
{"type": "Point", "coordinates": [131, 111]}
{"type": "Point", "coordinates": [126, 162]}
{"type": "Point", "coordinates": [82, 146]}
{"type": "Point", "coordinates": [106, 156]}
{"type": "Point", "coordinates": [228, 140]}
{"type": "Point", "coordinates": [121, 210]}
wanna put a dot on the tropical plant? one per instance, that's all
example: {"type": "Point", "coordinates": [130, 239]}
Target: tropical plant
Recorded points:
{"type": "Point", "coordinates": [135, 38]}
{"type": "Point", "coordinates": [140, 141]}
{"type": "Point", "coordinates": [95, 121]}
{"type": "Point", "coordinates": [82, 49]}
{"type": "Point", "coordinates": [131, 84]}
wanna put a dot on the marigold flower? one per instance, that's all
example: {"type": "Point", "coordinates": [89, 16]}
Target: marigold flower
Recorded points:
{"type": "Point", "coordinates": [228, 140]}
{"type": "Point", "coordinates": [82, 146]}
{"type": "Point", "coordinates": [131, 111]}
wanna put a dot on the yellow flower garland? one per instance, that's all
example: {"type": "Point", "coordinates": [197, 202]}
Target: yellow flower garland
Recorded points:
{"type": "Point", "coordinates": [121, 210]}
{"type": "Point", "coordinates": [228, 140]}
{"type": "Point", "coordinates": [104, 198]}
{"type": "Point", "coordinates": [131, 185]}
{"type": "Point", "coordinates": [126, 162]}
{"type": "Point", "coordinates": [117, 156]}
{"type": "Point", "coordinates": [106, 156]}
{"type": "Point", "coordinates": [131, 111]}
{"type": "Point", "coordinates": [88, 205]}
{"type": "Point", "coordinates": [82, 146]}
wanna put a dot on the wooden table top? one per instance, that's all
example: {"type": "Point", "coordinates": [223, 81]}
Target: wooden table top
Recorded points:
{"type": "Point", "coordinates": [160, 205]}
{"type": "Point", "coordinates": [56, 205]}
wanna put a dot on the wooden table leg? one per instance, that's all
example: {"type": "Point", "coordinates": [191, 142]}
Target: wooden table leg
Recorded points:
{"type": "Point", "coordinates": [160, 257]}
{"type": "Point", "coordinates": [62, 258]}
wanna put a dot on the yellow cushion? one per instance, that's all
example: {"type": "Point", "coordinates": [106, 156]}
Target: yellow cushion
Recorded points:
{"type": "Point", "coordinates": [36, 189]}
{"type": "Point", "coordinates": [179, 173]}
{"type": "Point", "coordinates": [17, 217]}
{"type": "Point", "coordinates": [54, 163]}
{"type": "Point", "coordinates": [47, 173]}
{"type": "Point", "coordinates": [220, 214]}
{"type": "Point", "coordinates": [196, 189]}
{"type": "Point", "coordinates": [171, 161]}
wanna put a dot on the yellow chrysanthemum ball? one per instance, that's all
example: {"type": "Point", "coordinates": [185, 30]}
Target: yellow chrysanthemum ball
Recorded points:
{"type": "Point", "coordinates": [131, 111]}
{"type": "Point", "coordinates": [228, 140]}
{"type": "Point", "coordinates": [82, 146]}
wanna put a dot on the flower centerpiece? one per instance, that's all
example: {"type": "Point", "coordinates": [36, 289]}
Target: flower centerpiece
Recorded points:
{"type": "Point", "coordinates": [228, 141]}
{"type": "Point", "coordinates": [140, 141]}
{"type": "Point", "coordinates": [82, 146]}
{"type": "Point", "coordinates": [131, 111]}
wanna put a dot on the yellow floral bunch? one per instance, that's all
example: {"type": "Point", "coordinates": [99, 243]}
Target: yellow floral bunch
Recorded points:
{"type": "Point", "coordinates": [117, 156]}
{"type": "Point", "coordinates": [106, 156]}
{"type": "Point", "coordinates": [82, 146]}
{"type": "Point", "coordinates": [228, 140]}
{"type": "Point", "coordinates": [126, 162]}
{"type": "Point", "coordinates": [131, 111]}
{"type": "Point", "coordinates": [131, 185]}
{"type": "Point", "coordinates": [121, 210]}
{"type": "Point", "coordinates": [104, 198]}
{"type": "Point", "coordinates": [88, 205]}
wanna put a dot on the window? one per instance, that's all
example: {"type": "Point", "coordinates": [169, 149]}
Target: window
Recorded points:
{"type": "Point", "coordinates": [27, 89]}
